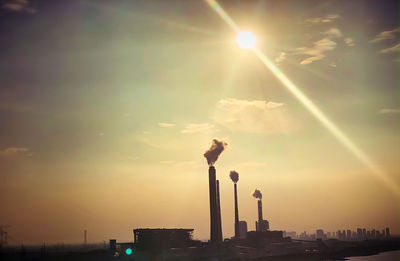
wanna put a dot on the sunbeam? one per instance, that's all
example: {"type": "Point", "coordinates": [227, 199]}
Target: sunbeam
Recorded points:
{"type": "Point", "coordinates": [315, 111]}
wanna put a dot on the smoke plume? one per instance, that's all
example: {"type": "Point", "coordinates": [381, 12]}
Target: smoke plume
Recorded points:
{"type": "Point", "coordinates": [234, 176]}
{"type": "Point", "coordinates": [257, 194]}
{"type": "Point", "coordinates": [213, 152]}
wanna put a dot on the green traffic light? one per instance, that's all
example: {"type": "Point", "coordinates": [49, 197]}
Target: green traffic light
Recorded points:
{"type": "Point", "coordinates": [128, 251]}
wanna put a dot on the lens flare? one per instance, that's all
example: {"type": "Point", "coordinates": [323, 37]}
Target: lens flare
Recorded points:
{"type": "Point", "coordinates": [246, 39]}
{"type": "Point", "coordinates": [314, 110]}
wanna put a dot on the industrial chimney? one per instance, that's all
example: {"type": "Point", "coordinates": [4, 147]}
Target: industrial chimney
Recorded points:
{"type": "Point", "coordinates": [214, 237]}
{"type": "Point", "coordinates": [212, 155]}
{"type": "Point", "coordinates": [261, 225]}
{"type": "Point", "coordinates": [260, 217]}
{"type": "Point", "coordinates": [235, 178]}
{"type": "Point", "coordinates": [236, 213]}
{"type": "Point", "coordinates": [219, 214]}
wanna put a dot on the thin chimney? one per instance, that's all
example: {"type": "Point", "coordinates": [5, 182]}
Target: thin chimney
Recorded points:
{"type": "Point", "coordinates": [236, 213]}
{"type": "Point", "coordinates": [219, 214]}
{"type": "Point", "coordinates": [260, 215]}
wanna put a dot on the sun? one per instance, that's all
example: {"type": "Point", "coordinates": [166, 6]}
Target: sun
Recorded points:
{"type": "Point", "coordinates": [246, 39]}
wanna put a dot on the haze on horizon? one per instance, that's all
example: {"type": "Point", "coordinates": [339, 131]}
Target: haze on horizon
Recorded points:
{"type": "Point", "coordinates": [107, 108]}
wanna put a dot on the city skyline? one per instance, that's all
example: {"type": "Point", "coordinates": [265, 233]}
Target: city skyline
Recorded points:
{"type": "Point", "coordinates": [107, 109]}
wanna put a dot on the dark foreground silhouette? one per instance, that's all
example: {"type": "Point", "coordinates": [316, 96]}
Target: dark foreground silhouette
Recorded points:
{"type": "Point", "coordinates": [229, 250]}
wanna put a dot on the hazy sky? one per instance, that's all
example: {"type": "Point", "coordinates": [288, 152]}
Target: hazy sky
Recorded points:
{"type": "Point", "coordinates": [107, 107]}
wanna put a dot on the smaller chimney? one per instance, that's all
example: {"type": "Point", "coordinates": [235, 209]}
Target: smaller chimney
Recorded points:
{"type": "Point", "coordinates": [236, 213]}
{"type": "Point", "coordinates": [260, 215]}
{"type": "Point", "coordinates": [220, 237]}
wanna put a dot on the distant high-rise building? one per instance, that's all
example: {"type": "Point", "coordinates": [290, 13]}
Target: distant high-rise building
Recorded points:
{"type": "Point", "coordinates": [242, 229]}
{"type": "Point", "coordinates": [319, 234]}
{"type": "Point", "coordinates": [348, 234]}
{"type": "Point", "coordinates": [364, 233]}
{"type": "Point", "coordinates": [303, 235]}
{"type": "Point", "coordinates": [113, 245]}
{"type": "Point", "coordinates": [373, 233]}
{"type": "Point", "coordinates": [359, 233]}
{"type": "Point", "coordinates": [387, 232]}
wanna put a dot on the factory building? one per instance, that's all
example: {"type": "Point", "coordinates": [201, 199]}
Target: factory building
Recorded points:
{"type": "Point", "coordinates": [242, 229]}
{"type": "Point", "coordinates": [262, 225]}
{"type": "Point", "coordinates": [162, 238]}
{"type": "Point", "coordinates": [261, 237]}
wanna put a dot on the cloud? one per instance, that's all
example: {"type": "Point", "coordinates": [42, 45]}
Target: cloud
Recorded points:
{"type": "Point", "coordinates": [389, 111]}
{"type": "Point", "coordinates": [281, 57]}
{"type": "Point", "coordinates": [385, 35]}
{"type": "Point", "coordinates": [255, 116]}
{"type": "Point", "coordinates": [193, 128]}
{"type": "Point", "coordinates": [18, 6]}
{"type": "Point", "coordinates": [166, 125]}
{"type": "Point", "coordinates": [133, 157]}
{"type": "Point", "coordinates": [15, 151]}
{"type": "Point", "coordinates": [392, 49]}
{"type": "Point", "coordinates": [327, 19]}
{"type": "Point", "coordinates": [318, 50]}
{"type": "Point", "coordinates": [349, 41]}
{"type": "Point", "coordinates": [333, 64]}
{"type": "Point", "coordinates": [333, 33]}
{"type": "Point", "coordinates": [312, 59]}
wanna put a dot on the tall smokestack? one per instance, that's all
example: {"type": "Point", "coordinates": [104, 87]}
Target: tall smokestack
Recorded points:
{"type": "Point", "coordinates": [212, 155]}
{"type": "Point", "coordinates": [260, 217]}
{"type": "Point", "coordinates": [213, 206]}
{"type": "Point", "coordinates": [235, 178]}
{"type": "Point", "coordinates": [219, 215]}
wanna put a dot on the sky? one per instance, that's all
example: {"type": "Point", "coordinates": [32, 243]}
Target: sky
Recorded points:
{"type": "Point", "coordinates": [107, 107]}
